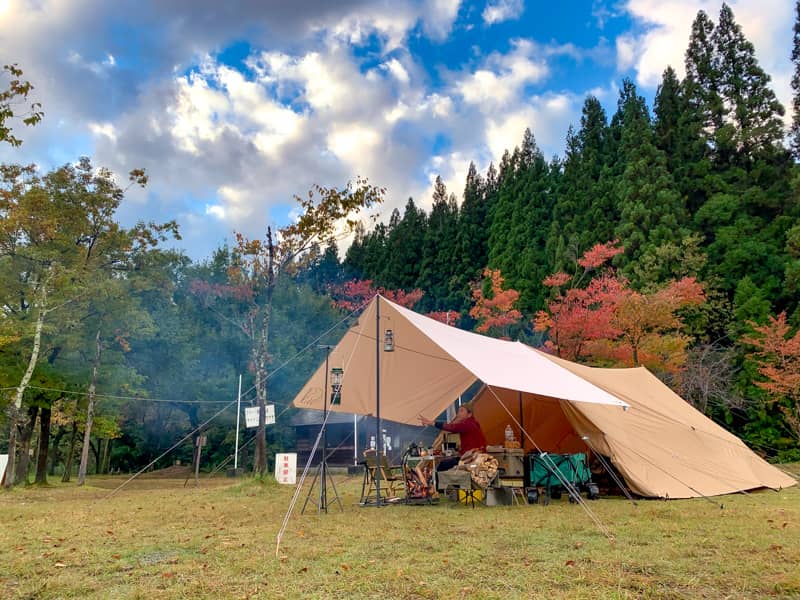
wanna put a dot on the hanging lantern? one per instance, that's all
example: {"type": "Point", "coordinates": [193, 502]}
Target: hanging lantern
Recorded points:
{"type": "Point", "coordinates": [388, 341]}
{"type": "Point", "coordinates": [336, 385]}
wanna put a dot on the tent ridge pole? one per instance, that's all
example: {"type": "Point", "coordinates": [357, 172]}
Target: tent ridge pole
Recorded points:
{"type": "Point", "coordinates": [378, 437]}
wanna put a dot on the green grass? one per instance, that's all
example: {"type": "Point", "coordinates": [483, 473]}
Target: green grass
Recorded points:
{"type": "Point", "coordinates": [162, 540]}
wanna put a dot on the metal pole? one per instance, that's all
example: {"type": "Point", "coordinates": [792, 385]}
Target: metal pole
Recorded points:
{"type": "Point", "coordinates": [238, 413]}
{"type": "Point", "coordinates": [355, 439]}
{"type": "Point", "coordinates": [323, 499]}
{"type": "Point", "coordinates": [377, 400]}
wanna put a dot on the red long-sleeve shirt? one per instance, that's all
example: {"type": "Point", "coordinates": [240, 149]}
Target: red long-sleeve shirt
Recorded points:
{"type": "Point", "coordinates": [472, 437]}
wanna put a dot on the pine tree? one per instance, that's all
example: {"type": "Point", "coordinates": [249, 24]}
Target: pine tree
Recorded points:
{"type": "Point", "coordinates": [701, 84]}
{"type": "Point", "coordinates": [651, 209]}
{"type": "Point", "coordinates": [439, 250]}
{"type": "Point", "coordinates": [503, 211]}
{"type": "Point", "coordinates": [667, 109]}
{"type": "Point", "coordinates": [472, 237]}
{"type": "Point", "coordinates": [404, 249]}
{"type": "Point", "coordinates": [754, 110]}
{"type": "Point", "coordinates": [749, 204]}
{"type": "Point", "coordinates": [585, 213]}
{"type": "Point", "coordinates": [533, 214]}
{"type": "Point", "coordinates": [795, 133]}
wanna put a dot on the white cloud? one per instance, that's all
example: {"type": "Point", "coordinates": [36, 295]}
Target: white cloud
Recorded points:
{"type": "Point", "coordinates": [103, 129]}
{"type": "Point", "coordinates": [438, 17]}
{"type": "Point", "coordinates": [627, 51]}
{"type": "Point", "coordinates": [353, 143]}
{"type": "Point", "coordinates": [497, 11]}
{"type": "Point", "coordinates": [503, 76]}
{"type": "Point", "coordinates": [396, 68]}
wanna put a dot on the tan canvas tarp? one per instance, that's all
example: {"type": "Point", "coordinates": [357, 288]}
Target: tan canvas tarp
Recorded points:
{"type": "Point", "coordinates": [431, 365]}
{"type": "Point", "coordinates": [661, 444]}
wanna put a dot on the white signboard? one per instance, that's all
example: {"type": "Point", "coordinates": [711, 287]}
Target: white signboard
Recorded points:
{"type": "Point", "coordinates": [3, 465]}
{"type": "Point", "coordinates": [286, 468]}
{"type": "Point", "coordinates": [251, 416]}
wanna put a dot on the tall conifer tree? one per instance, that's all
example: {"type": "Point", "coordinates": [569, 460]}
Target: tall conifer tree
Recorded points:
{"type": "Point", "coordinates": [439, 250]}
{"type": "Point", "coordinates": [795, 134]}
{"type": "Point", "coordinates": [473, 235]}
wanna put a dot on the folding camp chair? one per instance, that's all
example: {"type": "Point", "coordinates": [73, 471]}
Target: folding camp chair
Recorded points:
{"type": "Point", "coordinates": [391, 476]}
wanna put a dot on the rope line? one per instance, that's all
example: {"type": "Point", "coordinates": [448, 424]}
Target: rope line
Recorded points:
{"type": "Point", "coordinates": [571, 489]}
{"type": "Point", "coordinates": [302, 479]}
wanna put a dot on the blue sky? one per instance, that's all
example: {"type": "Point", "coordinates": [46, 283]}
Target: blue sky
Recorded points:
{"type": "Point", "coordinates": [234, 107]}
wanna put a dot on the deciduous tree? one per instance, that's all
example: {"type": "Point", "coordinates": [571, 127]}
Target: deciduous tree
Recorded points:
{"type": "Point", "coordinates": [12, 97]}
{"type": "Point", "coordinates": [252, 279]}
{"type": "Point", "coordinates": [777, 354]}
{"type": "Point", "coordinates": [493, 306]}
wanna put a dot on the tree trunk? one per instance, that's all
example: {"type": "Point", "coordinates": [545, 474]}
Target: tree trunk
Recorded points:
{"type": "Point", "coordinates": [87, 432]}
{"type": "Point", "coordinates": [14, 413]}
{"type": "Point", "coordinates": [25, 436]}
{"type": "Point", "coordinates": [260, 458]}
{"type": "Point", "coordinates": [70, 453]}
{"type": "Point", "coordinates": [55, 450]}
{"type": "Point", "coordinates": [101, 459]}
{"type": "Point", "coordinates": [44, 445]}
{"type": "Point", "coordinates": [105, 462]}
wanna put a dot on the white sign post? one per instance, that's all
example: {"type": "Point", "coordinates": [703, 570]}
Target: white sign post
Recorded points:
{"type": "Point", "coordinates": [251, 416]}
{"type": "Point", "coordinates": [286, 468]}
{"type": "Point", "coordinates": [3, 465]}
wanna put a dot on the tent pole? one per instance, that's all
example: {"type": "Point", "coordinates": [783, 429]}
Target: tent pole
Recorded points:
{"type": "Point", "coordinates": [521, 427]}
{"type": "Point", "coordinates": [378, 437]}
{"type": "Point", "coordinates": [323, 488]}
{"type": "Point", "coordinates": [238, 413]}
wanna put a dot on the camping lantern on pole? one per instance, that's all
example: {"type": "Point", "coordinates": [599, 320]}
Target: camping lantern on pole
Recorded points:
{"type": "Point", "coordinates": [337, 374]}
{"type": "Point", "coordinates": [388, 341]}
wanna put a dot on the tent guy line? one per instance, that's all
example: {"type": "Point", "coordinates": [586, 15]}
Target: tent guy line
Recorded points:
{"type": "Point", "coordinates": [311, 454]}
{"type": "Point", "coordinates": [568, 485]}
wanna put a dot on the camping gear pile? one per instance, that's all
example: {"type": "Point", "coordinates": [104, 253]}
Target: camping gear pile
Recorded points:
{"type": "Point", "coordinates": [481, 467]}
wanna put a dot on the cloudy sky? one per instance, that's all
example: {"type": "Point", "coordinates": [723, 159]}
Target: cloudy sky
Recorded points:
{"type": "Point", "coordinates": [233, 107]}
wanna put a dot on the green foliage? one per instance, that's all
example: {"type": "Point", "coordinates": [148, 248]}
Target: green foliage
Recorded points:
{"type": "Point", "coordinates": [16, 92]}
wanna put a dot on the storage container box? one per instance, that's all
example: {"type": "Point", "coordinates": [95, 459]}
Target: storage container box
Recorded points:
{"type": "Point", "coordinates": [510, 461]}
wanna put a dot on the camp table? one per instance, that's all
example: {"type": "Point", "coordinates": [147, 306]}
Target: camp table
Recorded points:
{"type": "Point", "coordinates": [553, 472]}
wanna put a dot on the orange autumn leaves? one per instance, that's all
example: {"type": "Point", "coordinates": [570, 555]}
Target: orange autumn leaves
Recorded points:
{"type": "Point", "coordinates": [777, 355]}
{"type": "Point", "coordinates": [494, 308]}
{"type": "Point", "coordinates": [609, 323]}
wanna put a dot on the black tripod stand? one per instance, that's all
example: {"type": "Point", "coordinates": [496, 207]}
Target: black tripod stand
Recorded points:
{"type": "Point", "coordinates": [322, 473]}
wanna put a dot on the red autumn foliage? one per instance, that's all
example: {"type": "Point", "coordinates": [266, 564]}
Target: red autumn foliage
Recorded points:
{"type": "Point", "coordinates": [581, 315]}
{"type": "Point", "coordinates": [777, 355]}
{"type": "Point", "coordinates": [611, 323]}
{"type": "Point", "coordinates": [599, 254]}
{"type": "Point", "coordinates": [448, 317]}
{"type": "Point", "coordinates": [497, 310]}
{"type": "Point", "coordinates": [352, 295]}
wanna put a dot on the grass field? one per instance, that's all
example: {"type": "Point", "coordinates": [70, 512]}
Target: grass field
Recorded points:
{"type": "Point", "coordinates": [156, 538]}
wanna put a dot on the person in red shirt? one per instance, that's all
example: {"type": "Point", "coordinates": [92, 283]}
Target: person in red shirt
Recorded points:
{"type": "Point", "coordinates": [466, 425]}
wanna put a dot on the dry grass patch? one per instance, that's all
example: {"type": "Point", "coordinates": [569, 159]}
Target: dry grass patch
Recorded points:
{"type": "Point", "coordinates": [159, 539]}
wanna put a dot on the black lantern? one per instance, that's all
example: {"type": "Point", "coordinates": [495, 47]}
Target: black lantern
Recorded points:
{"type": "Point", "coordinates": [336, 386]}
{"type": "Point", "coordinates": [388, 341]}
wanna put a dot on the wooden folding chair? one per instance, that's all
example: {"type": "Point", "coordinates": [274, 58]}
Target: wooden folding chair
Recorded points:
{"type": "Point", "coordinates": [391, 477]}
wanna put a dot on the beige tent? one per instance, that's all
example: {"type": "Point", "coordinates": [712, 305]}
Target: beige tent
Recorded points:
{"type": "Point", "coordinates": [657, 441]}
